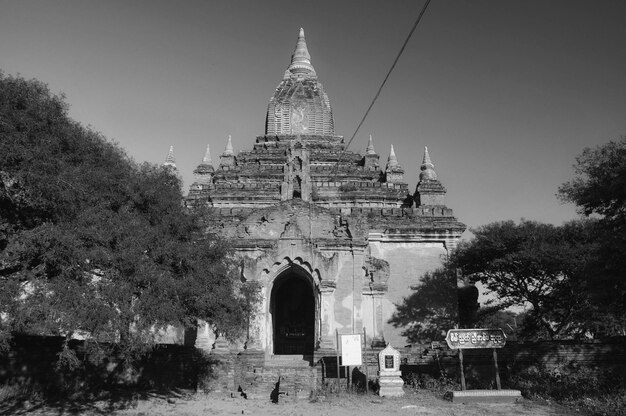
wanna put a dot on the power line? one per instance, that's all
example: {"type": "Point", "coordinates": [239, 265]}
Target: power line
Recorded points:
{"type": "Point", "coordinates": [395, 61]}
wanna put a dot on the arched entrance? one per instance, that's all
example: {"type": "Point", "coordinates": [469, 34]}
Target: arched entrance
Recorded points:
{"type": "Point", "coordinates": [293, 313]}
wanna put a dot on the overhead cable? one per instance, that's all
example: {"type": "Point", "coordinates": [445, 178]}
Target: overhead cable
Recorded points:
{"type": "Point", "coordinates": [382, 85]}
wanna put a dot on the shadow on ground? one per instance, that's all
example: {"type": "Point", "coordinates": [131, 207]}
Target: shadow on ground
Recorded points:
{"type": "Point", "coordinates": [30, 378]}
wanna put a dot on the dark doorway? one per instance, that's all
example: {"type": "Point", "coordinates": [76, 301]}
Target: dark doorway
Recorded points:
{"type": "Point", "coordinates": [293, 315]}
{"type": "Point", "coordinates": [297, 188]}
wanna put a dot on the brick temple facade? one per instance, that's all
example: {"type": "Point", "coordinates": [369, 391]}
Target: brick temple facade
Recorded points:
{"type": "Point", "coordinates": [332, 238]}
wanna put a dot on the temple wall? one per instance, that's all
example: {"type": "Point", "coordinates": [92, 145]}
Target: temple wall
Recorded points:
{"type": "Point", "coordinates": [367, 312]}
{"type": "Point", "coordinates": [407, 263]}
{"type": "Point", "coordinates": [347, 300]}
{"type": "Point", "coordinates": [343, 294]}
{"type": "Point", "coordinates": [348, 295]}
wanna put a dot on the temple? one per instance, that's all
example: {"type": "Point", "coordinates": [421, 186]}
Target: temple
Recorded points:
{"type": "Point", "coordinates": [333, 239]}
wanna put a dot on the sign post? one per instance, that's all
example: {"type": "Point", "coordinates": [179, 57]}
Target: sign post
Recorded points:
{"type": "Point", "coordinates": [462, 371]}
{"type": "Point", "coordinates": [349, 346]}
{"type": "Point", "coordinates": [473, 339]}
{"type": "Point", "coordinates": [367, 373]}
{"type": "Point", "coordinates": [338, 374]}
{"type": "Point", "coordinates": [351, 349]}
{"type": "Point", "coordinates": [495, 363]}
{"type": "Point", "coordinates": [493, 338]}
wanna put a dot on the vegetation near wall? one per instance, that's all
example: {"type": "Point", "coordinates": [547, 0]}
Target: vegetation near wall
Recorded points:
{"type": "Point", "coordinates": [95, 245]}
{"type": "Point", "coordinates": [32, 362]}
{"type": "Point", "coordinates": [570, 280]}
{"type": "Point", "coordinates": [581, 374]}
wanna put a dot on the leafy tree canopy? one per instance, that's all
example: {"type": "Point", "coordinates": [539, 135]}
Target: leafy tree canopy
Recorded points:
{"type": "Point", "coordinates": [541, 267]}
{"type": "Point", "coordinates": [92, 242]}
{"type": "Point", "coordinates": [599, 190]}
{"type": "Point", "coordinates": [571, 278]}
{"type": "Point", "coordinates": [599, 184]}
{"type": "Point", "coordinates": [431, 309]}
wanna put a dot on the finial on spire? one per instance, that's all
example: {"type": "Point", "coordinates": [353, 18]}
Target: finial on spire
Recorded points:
{"type": "Point", "coordinates": [426, 157]}
{"type": "Point", "coordinates": [427, 168]}
{"type": "Point", "coordinates": [170, 160]}
{"type": "Point", "coordinates": [206, 160]}
{"type": "Point", "coordinates": [300, 60]}
{"type": "Point", "coordinates": [393, 160]}
{"type": "Point", "coordinates": [229, 147]}
{"type": "Point", "coordinates": [370, 147]}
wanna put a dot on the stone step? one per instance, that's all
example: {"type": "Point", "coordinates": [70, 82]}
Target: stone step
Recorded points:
{"type": "Point", "coordinates": [289, 361]}
{"type": "Point", "coordinates": [294, 380]}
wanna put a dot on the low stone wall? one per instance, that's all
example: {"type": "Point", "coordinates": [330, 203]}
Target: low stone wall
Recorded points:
{"type": "Point", "coordinates": [32, 361]}
{"type": "Point", "coordinates": [607, 355]}
{"type": "Point", "coordinates": [258, 377]}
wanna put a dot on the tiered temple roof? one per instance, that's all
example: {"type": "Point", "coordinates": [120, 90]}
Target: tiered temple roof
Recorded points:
{"type": "Point", "coordinates": [301, 158]}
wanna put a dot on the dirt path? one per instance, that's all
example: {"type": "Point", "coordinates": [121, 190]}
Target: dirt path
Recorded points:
{"type": "Point", "coordinates": [414, 403]}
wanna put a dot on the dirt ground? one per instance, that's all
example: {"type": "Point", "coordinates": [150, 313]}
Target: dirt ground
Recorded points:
{"type": "Point", "coordinates": [413, 403]}
{"type": "Point", "coordinates": [348, 404]}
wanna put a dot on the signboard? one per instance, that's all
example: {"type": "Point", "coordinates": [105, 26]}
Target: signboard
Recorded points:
{"type": "Point", "coordinates": [351, 349]}
{"type": "Point", "coordinates": [389, 360]}
{"type": "Point", "coordinates": [475, 338]}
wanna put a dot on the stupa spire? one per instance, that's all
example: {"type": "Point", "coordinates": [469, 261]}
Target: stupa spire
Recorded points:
{"type": "Point", "coordinates": [370, 147]}
{"type": "Point", "coordinates": [227, 159]}
{"type": "Point", "coordinates": [426, 160]}
{"type": "Point", "coordinates": [301, 60]}
{"type": "Point", "coordinates": [228, 151]}
{"type": "Point", "coordinates": [394, 172]}
{"type": "Point", "coordinates": [427, 168]}
{"type": "Point", "coordinates": [206, 160]}
{"type": "Point", "coordinates": [170, 160]}
{"type": "Point", "coordinates": [393, 160]}
{"type": "Point", "coordinates": [371, 158]}
{"type": "Point", "coordinates": [429, 190]}
{"type": "Point", "coordinates": [203, 173]}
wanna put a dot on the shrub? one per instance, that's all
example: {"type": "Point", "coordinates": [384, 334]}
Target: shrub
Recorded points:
{"type": "Point", "coordinates": [600, 393]}
{"type": "Point", "coordinates": [439, 385]}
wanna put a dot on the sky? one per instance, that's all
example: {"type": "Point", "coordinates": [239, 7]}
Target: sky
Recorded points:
{"type": "Point", "coordinates": [504, 93]}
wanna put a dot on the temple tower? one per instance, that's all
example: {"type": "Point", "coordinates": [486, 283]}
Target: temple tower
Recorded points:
{"type": "Point", "coordinates": [170, 160]}
{"type": "Point", "coordinates": [299, 104]}
{"type": "Point", "coordinates": [332, 239]}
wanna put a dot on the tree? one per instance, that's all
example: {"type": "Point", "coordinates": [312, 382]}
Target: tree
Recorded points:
{"type": "Point", "coordinates": [539, 266]}
{"type": "Point", "coordinates": [599, 190]}
{"type": "Point", "coordinates": [571, 277]}
{"type": "Point", "coordinates": [599, 184]}
{"type": "Point", "coordinates": [441, 302]}
{"type": "Point", "coordinates": [431, 309]}
{"type": "Point", "coordinates": [95, 244]}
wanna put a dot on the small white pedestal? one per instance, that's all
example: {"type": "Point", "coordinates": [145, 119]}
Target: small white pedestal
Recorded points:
{"type": "Point", "coordinates": [389, 379]}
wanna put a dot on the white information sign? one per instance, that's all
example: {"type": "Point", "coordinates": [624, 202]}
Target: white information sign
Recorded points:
{"type": "Point", "coordinates": [351, 349]}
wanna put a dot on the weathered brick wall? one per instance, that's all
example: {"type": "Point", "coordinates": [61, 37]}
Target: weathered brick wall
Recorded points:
{"type": "Point", "coordinates": [564, 355]}
{"type": "Point", "coordinates": [348, 293]}
{"type": "Point", "coordinates": [32, 360]}
{"type": "Point", "coordinates": [603, 355]}
{"type": "Point", "coordinates": [257, 377]}
{"type": "Point", "coordinates": [407, 262]}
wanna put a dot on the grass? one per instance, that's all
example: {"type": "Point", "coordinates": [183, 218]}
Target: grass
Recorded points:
{"type": "Point", "coordinates": [598, 393]}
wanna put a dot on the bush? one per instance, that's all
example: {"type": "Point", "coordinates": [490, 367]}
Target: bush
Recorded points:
{"type": "Point", "coordinates": [439, 385]}
{"type": "Point", "coordinates": [600, 393]}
